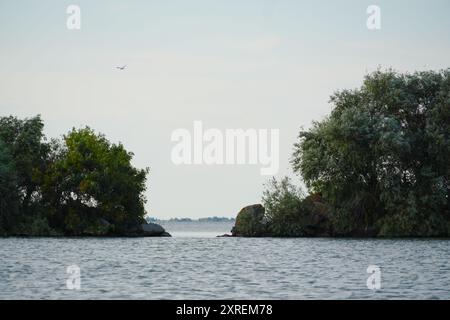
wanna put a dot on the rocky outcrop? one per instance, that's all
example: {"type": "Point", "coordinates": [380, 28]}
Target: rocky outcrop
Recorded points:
{"type": "Point", "coordinates": [153, 230]}
{"type": "Point", "coordinates": [311, 219]}
{"type": "Point", "coordinates": [250, 222]}
{"type": "Point", "coordinates": [142, 229]}
{"type": "Point", "coordinates": [315, 219]}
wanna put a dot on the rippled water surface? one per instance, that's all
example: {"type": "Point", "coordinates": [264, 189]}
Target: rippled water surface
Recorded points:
{"type": "Point", "coordinates": [192, 266]}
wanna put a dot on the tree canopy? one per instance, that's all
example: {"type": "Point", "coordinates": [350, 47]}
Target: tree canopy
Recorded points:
{"type": "Point", "coordinates": [9, 191]}
{"type": "Point", "coordinates": [81, 184]}
{"type": "Point", "coordinates": [382, 157]}
{"type": "Point", "coordinates": [378, 165]}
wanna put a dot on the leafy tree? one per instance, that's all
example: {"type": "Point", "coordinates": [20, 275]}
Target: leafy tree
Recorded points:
{"type": "Point", "coordinates": [382, 158]}
{"type": "Point", "coordinates": [284, 206]}
{"type": "Point", "coordinates": [80, 185]}
{"type": "Point", "coordinates": [92, 179]}
{"type": "Point", "coordinates": [9, 191]}
{"type": "Point", "coordinates": [289, 213]}
{"type": "Point", "coordinates": [25, 142]}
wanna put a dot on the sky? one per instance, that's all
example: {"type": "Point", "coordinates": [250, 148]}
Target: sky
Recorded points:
{"type": "Point", "coordinates": [230, 64]}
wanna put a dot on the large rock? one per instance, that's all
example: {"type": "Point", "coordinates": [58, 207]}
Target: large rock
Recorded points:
{"type": "Point", "coordinates": [250, 222]}
{"type": "Point", "coordinates": [153, 230]}
{"type": "Point", "coordinates": [312, 219]}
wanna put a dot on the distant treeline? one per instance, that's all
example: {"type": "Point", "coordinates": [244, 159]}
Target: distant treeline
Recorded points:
{"type": "Point", "coordinates": [378, 165]}
{"type": "Point", "coordinates": [78, 185]}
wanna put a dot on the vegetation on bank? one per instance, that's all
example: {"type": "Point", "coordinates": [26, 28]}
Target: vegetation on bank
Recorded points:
{"type": "Point", "coordinates": [378, 165]}
{"type": "Point", "coordinates": [78, 185]}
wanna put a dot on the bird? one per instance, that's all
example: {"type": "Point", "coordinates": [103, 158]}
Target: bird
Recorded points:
{"type": "Point", "coordinates": [121, 68]}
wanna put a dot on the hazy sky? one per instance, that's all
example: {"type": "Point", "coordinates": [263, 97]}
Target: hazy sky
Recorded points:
{"type": "Point", "coordinates": [230, 64]}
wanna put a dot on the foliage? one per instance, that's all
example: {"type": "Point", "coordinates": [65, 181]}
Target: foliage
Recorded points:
{"type": "Point", "coordinates": [95, 180]}
{"type": "Point", "coordinates": [34, 225]}
{"type": "Point", "coordinates": [9, 191]}
{"type": "Point", "coordinates": [289, 213]}
{"type": "Point", "coordinates": [378, 165]}
{"type": "Point", "coordinates": [382, 158]}
{"type": "Point", "coordinates": [284, 206]}
{"type": "Point", "coordinates": [82, 184]}
{"type": "Point", "coordinates": [24, 141]}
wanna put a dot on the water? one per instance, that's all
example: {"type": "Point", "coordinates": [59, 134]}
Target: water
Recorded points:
{"type": "Point", "coordinates": [196, 229]}
{"type": "Point", "coordinates": [195, 265]}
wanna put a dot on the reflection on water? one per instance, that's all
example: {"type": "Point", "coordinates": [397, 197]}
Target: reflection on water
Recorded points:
{"type": "Point", "coordinates": [198, 267]}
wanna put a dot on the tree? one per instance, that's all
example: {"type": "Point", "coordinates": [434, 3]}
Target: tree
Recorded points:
{"type": "Point", "coordinates": [382, 158]}
{"type": "Point", "coordinates": [284, 207]}
{"type": "Point", "coordinates": [80, 185]}
{"type": "Point", "coordinates": [93, 180]}
{"type": "Point", "coordinates": [9, 191]}
{"type": "Point", "coordinates": [25, 143]}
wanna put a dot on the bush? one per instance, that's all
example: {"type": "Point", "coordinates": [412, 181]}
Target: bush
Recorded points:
{"type": "Point", "coordinates": [290, 214]}
{"type": "Point", "coordinates": [286, 213]}
{"type": "Point", "coordinates": [34, 226]}
{"type": "Point", "coordinates": [284, 208]}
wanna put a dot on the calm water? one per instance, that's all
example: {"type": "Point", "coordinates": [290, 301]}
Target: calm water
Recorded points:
{"type": "Point", "coordinates": [195, 265]}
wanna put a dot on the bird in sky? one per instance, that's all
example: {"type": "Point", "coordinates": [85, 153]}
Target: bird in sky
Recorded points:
{"type": "Point", "coordinates": [121, 68]}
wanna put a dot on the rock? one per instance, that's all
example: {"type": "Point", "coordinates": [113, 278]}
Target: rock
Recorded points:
{"type": "Point", "coordinates": [250, 222]}
{"type": "Point", "coordinates": [153, 230]}
{"type": "Point", "coordinates": [315, 219]}
{"type": "Point", "coordinates": [226, 235]}
{"type": "Point", "coordinates": [142, 229]}
{"type": "Point", "coordinates": [311, 220]}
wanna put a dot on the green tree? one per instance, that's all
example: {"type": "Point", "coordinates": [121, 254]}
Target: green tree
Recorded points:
{"type": "Point", "coordinates": [382, 158]}
{"type": "Point", "coordinates": [9, 191]}
{"type": "Point", "coordinates": [288, 213]}
{"type": "Point", "coordinates": [92, 179]}
{"type": "Point", "coordinates": [284, 207]}
{"type": "Point", "coordinates": [25, 142]}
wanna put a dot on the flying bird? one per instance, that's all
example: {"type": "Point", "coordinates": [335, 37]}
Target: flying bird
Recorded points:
{"type": "Point", "coordinates": [121, 68]}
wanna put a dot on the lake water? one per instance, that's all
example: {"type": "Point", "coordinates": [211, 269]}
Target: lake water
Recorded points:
{"type": "Point", "coordinates": [194, 264]}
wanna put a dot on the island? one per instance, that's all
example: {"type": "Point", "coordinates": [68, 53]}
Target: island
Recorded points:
{"type": "Point", "coordinates": [80, 185]}
{"type": "Point", "coordinates": [377, 166]}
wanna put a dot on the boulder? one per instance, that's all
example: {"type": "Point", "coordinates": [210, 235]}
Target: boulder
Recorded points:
{"type": "Point", "coordinates": [311, 220]}
{"type": "Point", "coordinates": [250, 222]}
{"type": "Point", "coordinates": [315, 220]}
{"type": "Point", "coordinates": [153, 230]}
